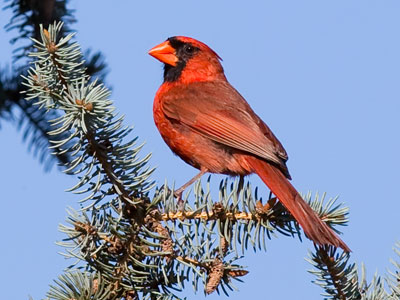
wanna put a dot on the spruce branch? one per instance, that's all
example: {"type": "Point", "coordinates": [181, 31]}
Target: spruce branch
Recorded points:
{"type": "Point", "coordinates": [107, 165]}
{"type": "Point", "coordinates": [79, 285]}
{"type": "Point", "coordinates": [341, 281]}
{"type": "Point", "coordinates": [335, 276]}
{"type": "Point", "coordinates": [330, 212]}
{"type": "Point", "coordinates": [131, 245]}
{"type": "Point", "coordinates": [144, 247]}
{"type": "Point", "coordinates": [5, 96]}
{"type": "Point", "coordinates": [59, 82]}
{"type": "Point", "coordinates": [31, 120]}
{"type": "Point", "coordinates": [27, 17]}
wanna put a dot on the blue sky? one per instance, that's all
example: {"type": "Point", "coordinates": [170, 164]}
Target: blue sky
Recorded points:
{"type": "Point", "coordinates": [324, 75]}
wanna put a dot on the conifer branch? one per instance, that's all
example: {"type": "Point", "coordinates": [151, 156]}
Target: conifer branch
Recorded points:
{"type": "Point", "coordinates": [31, 120]}
{"type": "Point", "coordinates": [335, 276]}
{"type": "Point", "coordinates": [134, 246]}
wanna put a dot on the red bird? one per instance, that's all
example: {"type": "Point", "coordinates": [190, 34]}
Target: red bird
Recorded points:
{"type": "Point", "coordinates": [207, 123]}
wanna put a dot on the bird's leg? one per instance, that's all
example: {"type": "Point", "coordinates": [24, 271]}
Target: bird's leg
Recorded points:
{"type": "Point", "coordinates": [178, 192]}
{"type": "Point", "coordinates": [240, 185]}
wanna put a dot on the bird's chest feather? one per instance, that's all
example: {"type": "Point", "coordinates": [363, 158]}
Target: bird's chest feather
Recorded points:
{"type": "Point", "coordinates": [182, 140]}
{"type": "Point", "coordinates": [193, 147]}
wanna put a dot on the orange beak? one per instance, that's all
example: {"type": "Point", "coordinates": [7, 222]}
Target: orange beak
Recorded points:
{"type": "Point", "coordinates": [164, 53]}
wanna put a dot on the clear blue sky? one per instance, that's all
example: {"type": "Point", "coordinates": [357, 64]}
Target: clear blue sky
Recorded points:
{"type": "Point", "coordinates": [325, 75]}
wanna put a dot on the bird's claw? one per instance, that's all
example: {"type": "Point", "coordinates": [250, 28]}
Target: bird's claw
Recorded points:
{"type": "Point", "coordinates": [179, 200]}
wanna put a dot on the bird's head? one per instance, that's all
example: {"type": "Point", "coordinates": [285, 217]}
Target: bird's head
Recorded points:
{"type": "Point", "coordinates": [188, 60]}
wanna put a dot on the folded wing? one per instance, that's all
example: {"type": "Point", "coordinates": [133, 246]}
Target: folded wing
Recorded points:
{"type": "Point", "coordinates": [218, 111]}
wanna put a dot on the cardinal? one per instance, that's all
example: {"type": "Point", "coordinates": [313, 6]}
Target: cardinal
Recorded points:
{"type": "Point", "coordinates": [207, 123]}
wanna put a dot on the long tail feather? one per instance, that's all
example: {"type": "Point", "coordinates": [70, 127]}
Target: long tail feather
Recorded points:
{"type": "Point", "coordinates": [314, 228]}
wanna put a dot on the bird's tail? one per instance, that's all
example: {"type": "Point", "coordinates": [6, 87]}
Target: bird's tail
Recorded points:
{"type": "Point", "coordinates": [314, 228]}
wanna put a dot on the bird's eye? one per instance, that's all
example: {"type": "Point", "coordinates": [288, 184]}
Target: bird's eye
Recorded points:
{"type": "Point", "coordinates": [188, 49]}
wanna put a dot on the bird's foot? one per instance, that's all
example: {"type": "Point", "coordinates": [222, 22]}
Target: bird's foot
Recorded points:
{"type": "Point", "coordinates": [179, 201]}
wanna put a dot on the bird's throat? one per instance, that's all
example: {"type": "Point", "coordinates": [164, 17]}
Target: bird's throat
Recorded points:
{"type": "Point", "coordinates": [173, 73]}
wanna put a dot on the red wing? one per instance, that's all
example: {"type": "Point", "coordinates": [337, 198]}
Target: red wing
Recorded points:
{"type": "Point", "coordinates": [218, 111]}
